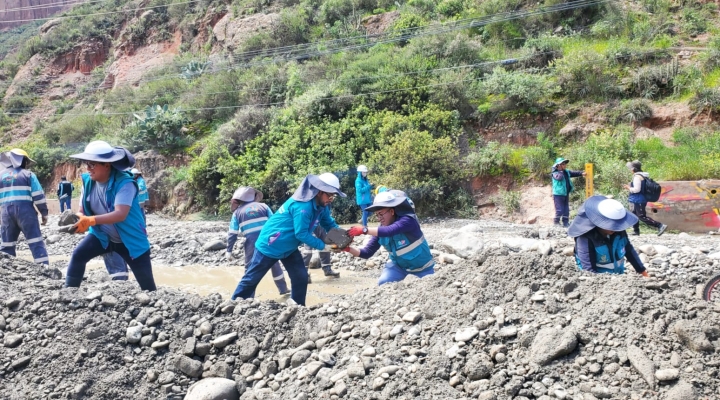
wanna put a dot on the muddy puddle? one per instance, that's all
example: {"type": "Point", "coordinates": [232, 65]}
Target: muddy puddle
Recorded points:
{"type": "Point", "coordinates": [204, 280]}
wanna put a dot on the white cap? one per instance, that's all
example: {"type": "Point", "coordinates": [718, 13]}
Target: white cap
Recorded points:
{"type": "Point", "coordinates": [611, 209]}
{"type": "Point", "coordinates": [362, 168]}
{"type": "Point", "coordinates": [330, 179]}
{"type": "Point", "coordinates": [135, 171]}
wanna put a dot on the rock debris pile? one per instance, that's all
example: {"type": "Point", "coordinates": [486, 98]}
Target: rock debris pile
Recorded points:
{"type": "Point", "coordinates": [506, 319]}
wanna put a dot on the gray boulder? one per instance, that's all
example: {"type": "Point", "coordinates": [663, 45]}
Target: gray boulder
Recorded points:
{"type": "Point", "coordinates": [551, 343]}
{"type": "Point", "coordinates": [213, 389]}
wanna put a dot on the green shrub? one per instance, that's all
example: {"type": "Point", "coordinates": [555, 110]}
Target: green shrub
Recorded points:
{"type": "Point", "coordinates": [586, 74]}
{"type": "Point", "coordinates": [536, 160]}
{"type": "Point", "coordinates": [204, 172]}
{"type": "Point", "coordinates": [522, 90]}
{"type": "Point", "coordinates": [157, 128]}
{"type": "Point", "coordinates": [489, 160]}
{"type": "Point", "coordinates": [655, 80]}
{"type": "Point", "coordinates": [634, 111]}
{"type": "Point", "coordinates": [508, 200]}
{"type": "Point", "coordinates": [706, 100]}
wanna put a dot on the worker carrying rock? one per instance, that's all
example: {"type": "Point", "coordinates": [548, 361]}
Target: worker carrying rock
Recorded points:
{"type": "Point", "coordinates": [292, 225]}
{"type": "Point", "coordinates": [562, 186]}
{"type": "Point", "coordinates": [399, 233]}
{"type": "Point", "coordinates": [20, 194]}
{"type": "Point", "coordinates": [248, 218]}
{"type": "Point", "coordinates": [325, 260]}
{"type": "Point", "coordinates": [601, 243]}
{"type": "Point", "coordinates": [110, 211]}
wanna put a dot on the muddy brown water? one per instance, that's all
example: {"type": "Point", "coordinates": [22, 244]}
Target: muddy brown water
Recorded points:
{"type": "Point", "coordinates": [204, 280]}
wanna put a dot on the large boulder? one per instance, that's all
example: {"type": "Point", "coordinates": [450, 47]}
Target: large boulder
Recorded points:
{"type": "Point", "coordinates": [466, 244]}
{"type": "Point", "coordinates": [552, 343]}
{"type": "Point", "coordinates": [213, 389]}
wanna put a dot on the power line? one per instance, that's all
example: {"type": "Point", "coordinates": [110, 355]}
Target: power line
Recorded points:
{"type": "Point", "coordinates": [301, 51]}
{"type": "Point", "coordinates": [321, 99]}
{"type": "Point", "coordinates": [99, 13]}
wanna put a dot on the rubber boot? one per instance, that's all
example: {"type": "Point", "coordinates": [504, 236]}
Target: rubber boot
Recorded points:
{"type": "Point", "coordinates": [329, 272]}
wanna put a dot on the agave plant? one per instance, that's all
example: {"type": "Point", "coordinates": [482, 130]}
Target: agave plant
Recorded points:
{"type": "Point", "coordinates": [160, 128]}
{"type": "Point", "coordinates": [193, 69]}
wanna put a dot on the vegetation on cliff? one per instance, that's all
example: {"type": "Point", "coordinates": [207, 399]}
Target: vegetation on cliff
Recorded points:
{"type": "Point", "coordinates": [314, 92]}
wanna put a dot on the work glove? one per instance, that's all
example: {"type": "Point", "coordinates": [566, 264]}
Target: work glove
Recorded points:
{"type": "Point", "coordinates": [331, 247]}
{"type": "Point", "coordinates": [645, 274]}
{"type": "Point", "coordinates": [229, 255]}
{"type": "Point", "coordinates": [44, 220]}
{"type": "Point", "coordinates": [355, 231]}
{"type": "Point", "coordinates": [84, 223]}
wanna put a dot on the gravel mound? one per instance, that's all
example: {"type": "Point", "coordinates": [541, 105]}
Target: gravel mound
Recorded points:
{"type": "Point", "coordinates": [508, 323]}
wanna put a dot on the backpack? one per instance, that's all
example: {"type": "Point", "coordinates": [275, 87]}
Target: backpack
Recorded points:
{"type": "Point", "coordinates": [651, 190]}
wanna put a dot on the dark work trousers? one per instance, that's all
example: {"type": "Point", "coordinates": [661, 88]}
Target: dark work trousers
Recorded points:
{"type": "Point", "coordinates": [639, 210]}
{"type": "Point", "coordinates": [261, 264]}
{"type": "Point", "coordinates": [90, 247]}
{"type": "Point", "coordinates": [65, 203]}
{"type": "Point", "coordinates": [562, 209]}
{"type": "Point", "coordinates": [21, 217]}
{"type": "Point", "coordinates": [276, 269]}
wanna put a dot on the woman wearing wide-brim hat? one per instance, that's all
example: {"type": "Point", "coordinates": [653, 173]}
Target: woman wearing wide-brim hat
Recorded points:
{"type": "Point", "coordinates": [601, 243]}
{"type": "Point", "coordinates": [400, 234]}
{"type": "Point", "coordinates": [110, 211]}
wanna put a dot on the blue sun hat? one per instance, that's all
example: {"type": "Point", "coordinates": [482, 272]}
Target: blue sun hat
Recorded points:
{"type": "Point", "coordinates": [603, 213]}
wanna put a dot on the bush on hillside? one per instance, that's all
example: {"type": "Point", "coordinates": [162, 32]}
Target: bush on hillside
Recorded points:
{"type": "Point", "coordinates": [587, 74]}
{"type": "Point", "coordinates": [522, 90]}
{"type": "Point", "coordinates": [204, 173]}
{"type": "Point", "coordinates": [706, 100]}
{"type": "Point", "coordinates": [157, 128]}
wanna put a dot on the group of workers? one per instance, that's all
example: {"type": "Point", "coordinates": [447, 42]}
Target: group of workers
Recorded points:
{"type": "Point", "coordinates": [112, 214]}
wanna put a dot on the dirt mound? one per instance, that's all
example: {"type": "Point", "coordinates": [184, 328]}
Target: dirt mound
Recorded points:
{"type": "Point", "coordinates": [511, 324]}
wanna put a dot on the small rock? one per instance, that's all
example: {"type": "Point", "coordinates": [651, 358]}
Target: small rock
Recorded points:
{"type": "Point", "coordinates": [214, 245]}
{"type": "Point", "coordinates": [670, 374]}
{"type": "Point", "coordinates": [411, 317]}
{"type": "Point", "coordinates": [189, 367]}
{"type": "Point", "coordinates": [466, 334]}
{"type": "Point", "coordinates": [166, 377]}
{"type": "Point", "coordinates": [224, 340]}
{"type": "Point", "coordinates": [12, 340]}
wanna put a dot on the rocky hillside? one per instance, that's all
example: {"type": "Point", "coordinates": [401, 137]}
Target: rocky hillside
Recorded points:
{"type": "Point", "coordinates": [437, 98]}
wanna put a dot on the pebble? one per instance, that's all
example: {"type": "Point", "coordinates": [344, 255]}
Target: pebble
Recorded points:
{"type": "Point", "coordinates": [466, 334]}
{"type": "Point", "coordinates": [669, 374]}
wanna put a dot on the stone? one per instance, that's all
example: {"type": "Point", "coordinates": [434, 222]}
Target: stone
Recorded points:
{"type": "Point", "coordinates": [369, 352]}
{"type": "Point", "coordinates": [411, 317]}
{"type": "Point", "coordinates": [642, 364]}
{"type": "Point", "coordinates": [670, 374]}
{"type": "Point", "coordinates": [544, 247]}
{"type": "Point", "coordinates": [154, 320]}
{"type": "Point", "coordinates": [213, 389]}
{"type": "Point", "coordinates": [160, 344]}
{"type": "Point", "coordinates": [552, 343]}
{"type": "Point", "coordinates": [508, 332]}
{"type": "Point", "coordinates": [109, 301]}
{"type": "Point", "coordinates": [189, 347]}
{"type": "Point", "coordinates": [287, 314]}
{"type": "Point", "coordinates": [220, 370]}
{"type": "Point", "coordinates": [478, 367]}
{"type": "Point", "coordinates": [188, 366]}
{"type": "Point", "coordinates": [20, 363]}
{"type": "Point", "coordinates": [224, 340]}
{"type": "Point", "coordinates": [691, 334]}
{"type": "Point", "coordinates": [356, 370]}
{"type": "Point", "coordinates": [269, 367]}
{"type": "Point", "coordinates": [214, 245]}
{"type": "Point", "coordinates": [247, 348]}
{"type": "Point", "coordinates": [682, 391]}
{"type": "Point", "coordinates": [299, 358]}
{"type": "Point", "coordinates": [466, 334]}
{"type": "Point", "coordinates": [467, 245]}
{"type": "Point", "coordinates": [12, 340]}
{"type": "Point", "coordinates": [378, 383]}
{"type": "Point", "coordinates": [166, 377]}
{"type": "Point", "coordinates": [143, 298]}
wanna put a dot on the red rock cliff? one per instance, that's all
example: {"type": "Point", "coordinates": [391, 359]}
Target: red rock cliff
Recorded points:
{"type": "Point", "coordinates": [13, 10]}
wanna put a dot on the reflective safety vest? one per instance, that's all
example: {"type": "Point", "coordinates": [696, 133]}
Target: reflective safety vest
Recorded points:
{"type": "Point", "coordinates": [410, 254]}
{"type": "Point", "coordinates": [21, 185]}
{"type": "Point", "coordinates": [606, 254]}
{"type": "Point", "coordinates": [249, 218]}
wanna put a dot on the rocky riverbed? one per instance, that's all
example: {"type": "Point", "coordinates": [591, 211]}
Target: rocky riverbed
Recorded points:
{"type": "Point", "coordinates": [507, 315]}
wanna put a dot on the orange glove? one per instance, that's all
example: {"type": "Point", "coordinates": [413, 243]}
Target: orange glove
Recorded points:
{"type": "Point", "coordinates": [84, 224]}
{"type": "Point", "coordinates": [645, 274]}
